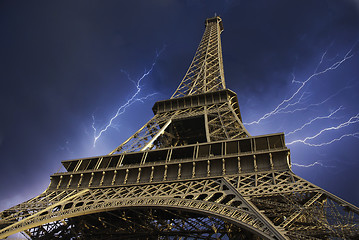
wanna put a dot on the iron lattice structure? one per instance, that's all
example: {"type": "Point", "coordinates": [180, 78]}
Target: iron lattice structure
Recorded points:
{"type": "Point", "coordinates": [191, 172]}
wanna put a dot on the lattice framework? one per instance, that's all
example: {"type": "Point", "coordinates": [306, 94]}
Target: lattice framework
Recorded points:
{"type": "Point", "coordinates": [191, 172]}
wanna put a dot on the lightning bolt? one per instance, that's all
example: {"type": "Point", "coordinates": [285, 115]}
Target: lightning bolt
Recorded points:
{"type": "Point", "coordinates": [285, 103]}
{"type": "Point", "coordinates": [316, 104]}
{"type": "Point", "coordinates": [356, 135]}
{"type": "Point", "coordinates": [315, 119]}
{"type": "Point", "coordinates": [132, 100]}
{"type": "Point", "coordinates": [310, 165]}
{"type": "Point", "coordinates": [352, 120]}
{"type": "Point", "coordinates": [295, 81]}
{"type": "Point", "coordinates": [300, 100]}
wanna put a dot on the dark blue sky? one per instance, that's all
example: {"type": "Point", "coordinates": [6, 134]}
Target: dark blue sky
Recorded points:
{"type": "Point", "coordinates": [62, 62]}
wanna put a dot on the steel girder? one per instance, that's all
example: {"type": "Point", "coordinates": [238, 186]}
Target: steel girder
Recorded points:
{"type": "Point", "coordinates": [268, 204]}
{"type": "Point", "coordinates": [208, 197]}
{"type": "Point", "coordinates": [220, 119]}
{"type": "Point", "coordinates": [205, 73]}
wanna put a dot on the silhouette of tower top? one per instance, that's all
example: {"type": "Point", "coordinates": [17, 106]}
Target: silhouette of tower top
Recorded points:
{"type": "Point", "coordinates": [205, 73]}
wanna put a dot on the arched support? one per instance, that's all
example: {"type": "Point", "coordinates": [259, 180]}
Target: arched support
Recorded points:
{"type": "Point", "coordinates": [90, 201]}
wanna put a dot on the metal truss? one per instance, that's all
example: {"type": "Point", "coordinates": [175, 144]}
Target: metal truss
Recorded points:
{"type": "Point", "coordinates": [154, 223]}
{"type": "Point", "coordinates": [278, 205]}
{"type": "Point", "coordinates": [191, 172]}
{"type": "Point", "coordinates": [223, 123]}
{"type": "Point", "coordinates": [207, 197]}
{"type": "Point", "coordinates": [205, 73]}
{"type": "Point", "coordinates": [219, 117]}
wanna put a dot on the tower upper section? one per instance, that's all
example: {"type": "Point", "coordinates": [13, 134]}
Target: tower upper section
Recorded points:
{"type": "Point", "coordinates": [205, 73]}
{"type": "Point", "coordinates": [201, 109]}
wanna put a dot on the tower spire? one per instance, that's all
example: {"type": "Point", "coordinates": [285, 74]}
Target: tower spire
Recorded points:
{"type": "Point", "coordinates": [205, 73]}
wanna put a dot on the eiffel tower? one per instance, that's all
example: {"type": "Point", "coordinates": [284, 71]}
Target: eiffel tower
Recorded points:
{"type": "Point", "coordinates": [191, 172]}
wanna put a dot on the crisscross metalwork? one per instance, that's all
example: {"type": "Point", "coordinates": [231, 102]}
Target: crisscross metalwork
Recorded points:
{"type": "Point", "coordinates": [191, 172]}
{"type": "Point", "coordinates": [205, 73]}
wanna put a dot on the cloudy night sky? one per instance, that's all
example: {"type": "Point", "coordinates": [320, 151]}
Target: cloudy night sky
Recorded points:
{"type": "Point", "coordinates": [66, 66]}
